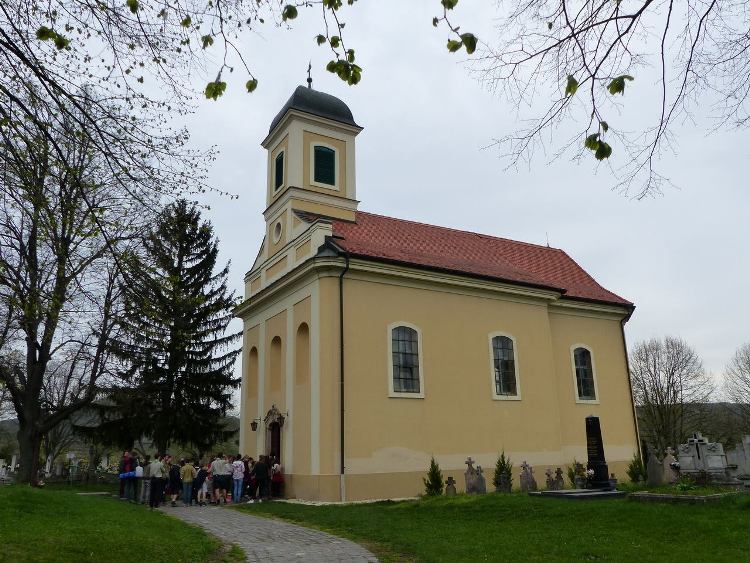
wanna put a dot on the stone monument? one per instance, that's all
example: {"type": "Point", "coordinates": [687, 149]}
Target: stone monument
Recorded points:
{"type": "Point", "coordinates": [654, 471]}
{"type": "Point", "coordinates": [481, 484]}
{"type": "Point", "coordinates": [528, 483]}
{"type": "Point", "coordinates": [470, 475]}
{"type": "Point", "coordinates": [559, 480]}
{"type": "Point", "coordinates": [738, 460]}
{"type": "Point", "coordinates": [700, 455]}
{"type": "Point", "coordinates": [450, 487]}
{"type": "Point", "coordinates": [550, 481]}
{"type": "Point", "coordinates": [13, 463]}
{"type": "Point", "coordinates": [595, 450]}
{"type": "Point", "coordinates": [669, 464]}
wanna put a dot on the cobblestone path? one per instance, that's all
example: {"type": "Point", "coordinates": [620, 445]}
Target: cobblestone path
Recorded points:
{"type": "Point", "coordinates": [263, 539]}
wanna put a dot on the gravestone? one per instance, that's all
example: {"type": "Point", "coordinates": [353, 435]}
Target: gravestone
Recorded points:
{"type": "Point", "coordinates": [528, 483]}
{"type": "Point", "coordinates": [654, 471]}
{"type": "Point", "coordinates": [450, 487]}
{"type": "Point", "coordinates": [738, 459]}
{"type": "Point", "coordinates": [550, 481]}
{"type": "Point", "coordinates": [698, 454]}
{"type": "Point", "coordinates": [481, 484]}
{"type": "Point", "coordinates": [559, 480]}
{"type": "Point", "coordinates": [13, 463]}
{"type": "Point", "coordinates": [470, 476]}
{"type": "Point", "coordinates": [671, 474]}
{"type": "Point", "coordinates": [595, 450]}
{"type": "Point", "coordinates": [48, 467]}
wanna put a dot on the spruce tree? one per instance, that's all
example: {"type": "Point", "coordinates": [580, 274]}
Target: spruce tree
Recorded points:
{"type": "Point", "coordinates": [433, 483]}
{"type": "Point", "coordinates": [175, 343]}
{"type": "Point", "coordinates": [503, 478]}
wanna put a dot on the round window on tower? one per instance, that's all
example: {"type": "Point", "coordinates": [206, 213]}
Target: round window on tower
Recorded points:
{"type": "Point", "coordinates": [277, 228]}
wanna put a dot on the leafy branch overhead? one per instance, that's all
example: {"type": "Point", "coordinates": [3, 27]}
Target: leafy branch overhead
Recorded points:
{"type": "Point", "coordinates": [466, 40]}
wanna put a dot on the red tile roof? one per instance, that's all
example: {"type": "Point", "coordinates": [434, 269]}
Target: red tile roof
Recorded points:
{"type": "Point", "coordinates": [406, 242]}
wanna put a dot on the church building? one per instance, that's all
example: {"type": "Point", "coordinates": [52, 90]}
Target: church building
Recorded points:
{"type": "Point", "coordinates": [371, 343]}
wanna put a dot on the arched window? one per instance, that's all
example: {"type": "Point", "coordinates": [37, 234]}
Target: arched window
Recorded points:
{"type": "Point", "coordinates": [405, 375]}
{"type": "Point", "coordinates": [585, 386]}
{"type": "Point", "coordinates": [278, 178]}
{"type": "Point", "coordinates": [324, 165]}
{"type": "Point", "coordinates": [504, 367]}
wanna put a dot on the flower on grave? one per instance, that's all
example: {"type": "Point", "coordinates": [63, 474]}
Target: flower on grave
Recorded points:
{"type": "Point", "coordinates": [589, 473]}
{"type": "Point", "coordinates": [675, 465]}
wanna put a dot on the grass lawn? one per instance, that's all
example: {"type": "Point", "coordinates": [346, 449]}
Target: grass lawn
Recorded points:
{"type": "Point", "coordinates": [58, 525]}
{"type": "Point", "coordinates": [517, 527]}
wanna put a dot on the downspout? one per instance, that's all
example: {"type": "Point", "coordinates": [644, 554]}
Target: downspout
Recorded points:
{"type": "Point", "coordinates": [342, 482]}
{"type": "Point", "coordinates": [630, 384]}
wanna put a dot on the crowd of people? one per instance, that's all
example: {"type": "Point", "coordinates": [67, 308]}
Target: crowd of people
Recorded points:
{"type": "Point", "coordinates": [223, 479]}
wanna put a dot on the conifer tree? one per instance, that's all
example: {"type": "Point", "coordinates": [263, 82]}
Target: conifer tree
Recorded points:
{"type": "Point", "coordinates": [180, 358]}
{"type": "Point", "coordinates": [503, 478]}
{"type": "Point", "coordinates": [433, 483]}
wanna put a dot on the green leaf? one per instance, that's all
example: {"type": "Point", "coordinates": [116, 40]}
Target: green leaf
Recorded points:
{"type": "Point", "coordinates": [549, 25]}
{"type": "Point", "coordinates": [435, 22]}
{"type": "Point", "coordinates": [331, 66]}
{"type": "Point", "coordinates": [61, 42]}
{"type": "Point", "coordinates": [132, 4]}
{"type": "Point", "coordinates": [603, 151]}
{"type": "Point", "coordinates": [320, 39]}
{"type": "Point", "coordinates": [44, 33]}
{"type": "Point", "coordinates": [215, 89]}
{"type": "Point", "coordinates": [604, 125]}
{"type": "Point", "coordinates": [470, 42]}
{"type": "Point", "coordinates": [617, 86]}
{"type": "Point", "coordinates": [454, 45]}
{"type": "Point", "coordinates": [186, 22]}
{"type": "Point", "coordinates": [289, 12]}
{"type": "Point", "coordinates": [207, 41]}
{"type": "Point", "coordinates": [335, 41]}
{"type": "Point", "coordinates": [571, 86]}
{"type": "Point", "coordinates": [592, 142]}
{"type": "Point", "coordinates": [350, 55]}
{"type": "Point", "coordinates": [251, 84]}
{"type": "Point", "coordinates": [449, 4]}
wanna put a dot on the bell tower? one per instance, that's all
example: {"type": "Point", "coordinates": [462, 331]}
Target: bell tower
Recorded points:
{"type": "Point", "coordinates": [311, 159]}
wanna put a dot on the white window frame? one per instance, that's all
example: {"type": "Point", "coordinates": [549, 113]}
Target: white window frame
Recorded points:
{"type": "Point", "coordinates": [594, 401]}
{"type": "Point", "coordinates": [391, 392]}
{"type": "Point", "coordinates": [336, 174]}
{"type": "Point", "coordinates": [283, 172]}
{"type": "Point", "coordinates": [495, 396]}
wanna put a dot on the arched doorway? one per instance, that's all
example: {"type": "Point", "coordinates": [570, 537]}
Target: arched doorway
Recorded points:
{"type": "Point", "coordinates": [274, 421]}
{"type": "Point", "coordinates": [274, 432]}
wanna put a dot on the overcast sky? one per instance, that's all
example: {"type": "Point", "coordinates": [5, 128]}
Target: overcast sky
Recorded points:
{"type": "Point", "coordinates": [679, 257]}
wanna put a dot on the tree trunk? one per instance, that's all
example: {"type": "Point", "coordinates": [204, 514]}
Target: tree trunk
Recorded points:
{"type": "Point", "coordinates": [29, 443]}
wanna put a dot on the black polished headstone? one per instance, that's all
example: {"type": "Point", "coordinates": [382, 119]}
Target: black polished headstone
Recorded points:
{"type": "Point", "coordinates": [595, 448]}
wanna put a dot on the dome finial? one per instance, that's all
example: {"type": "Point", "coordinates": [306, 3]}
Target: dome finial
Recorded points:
{"type": "Point", "coordinates": [309, 78]}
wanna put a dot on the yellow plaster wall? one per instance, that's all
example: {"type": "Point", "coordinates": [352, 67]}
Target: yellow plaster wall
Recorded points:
{"type": "Point", "coordinates": [276, 268]}
{"type": "Point", "coordinates": [302, 250]}
{"type": "Point", "coordinates": [321, 209]}
{"type": "Point", "coordinates": [458, 416]}
{"type": "Point", "coordinates": [614, 406]}
{"type": "Point", "coordinates": [274, 247]}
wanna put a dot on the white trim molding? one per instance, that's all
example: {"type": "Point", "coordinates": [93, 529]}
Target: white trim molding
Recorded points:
{"type": "Point", "coordinates": [517, 397]}
{"type": "Point", "coordinates": [573, 348]}
{"type": "Point", "coordinates": [336, 172]}
{"type": "Point", "coordinates": [389, 335]}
